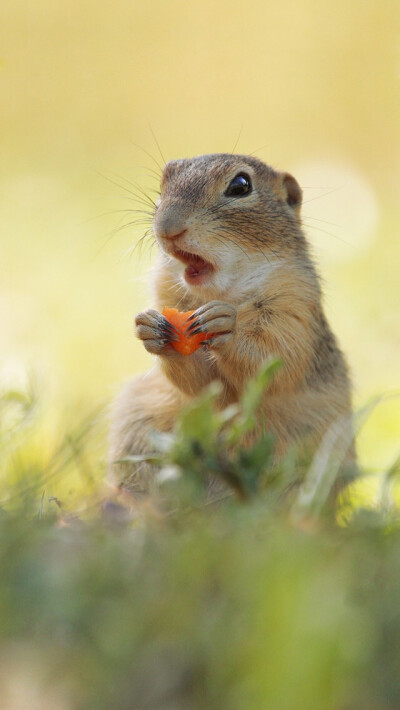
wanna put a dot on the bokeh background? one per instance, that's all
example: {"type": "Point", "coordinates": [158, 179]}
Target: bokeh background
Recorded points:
{"type": "Point", "coordinates": [89, 89]}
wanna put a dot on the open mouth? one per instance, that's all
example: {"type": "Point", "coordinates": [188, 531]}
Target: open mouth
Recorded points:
{"type": "Point", "coordinates": [197, 269]}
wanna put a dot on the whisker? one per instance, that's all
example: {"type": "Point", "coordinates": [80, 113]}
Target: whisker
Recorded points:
{"type": "Point", "coordinates": [127, 211]}
{"type": "Point", "coordinates": [157, 143]}
{"type": "Point", "coordinates": [148, 203]}
{"type": "Point", "coordinates": [153, 173]}
{"type": "Point", "coordinates": [184, 296]}
{"type": "Point", "coordinates": [145, 220]}
{"type": "Point", "coordinates": [232, 241]}
{"type": "Point", "coordinates": [259, 250]}
{"type": "Point", "coordinates": [237, 139]}
{"type": "Point", "coordinates": [134, 199]}
{"type": "Point", "coordinates": [148, 154]}
{"type": "Point", "coordinates": [107, 237]}
{"type": "Point", "coordinates": [136, 187]}
{"type": "Point", "coordinates": [331, 234]}
{"type": "Point", "coordinates": [217, 207]}
{"type": "Point", "coordinates": [326, 194]}
{"type": "Point", "coordinates": [145, 193]}
{"type": "Point", "coordinates": [315, 187]}
{"type": "Point", "coordinates": [258, 150]}
{"type": "Point", "coordinates": [325, 221]}
{"type": "Point", "coordinates": [152, 245]}
{"type": "Point", "coordinates": [132, 223]}
{"type": "Point", "coordinates": [139, 244]}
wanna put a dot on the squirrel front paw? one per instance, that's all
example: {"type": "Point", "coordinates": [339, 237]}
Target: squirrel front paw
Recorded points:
{"type": "Point", "coordinates": [216, 318]}
{"type": "Point", "coordinates": [156, 332]}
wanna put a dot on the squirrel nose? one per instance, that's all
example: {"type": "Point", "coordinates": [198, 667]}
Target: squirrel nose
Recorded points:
{"type": "Point", "coordinates": [172, 237]}
{"type": "Point", "coordinates": [170, 225]}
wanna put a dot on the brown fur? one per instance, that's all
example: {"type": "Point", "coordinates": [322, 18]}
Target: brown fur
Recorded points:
{"type": "Point", "coordinates": [264, 275]}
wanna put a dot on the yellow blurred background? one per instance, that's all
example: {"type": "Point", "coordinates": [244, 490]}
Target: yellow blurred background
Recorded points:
{"type": "Point", "coordinates": [309, 87]}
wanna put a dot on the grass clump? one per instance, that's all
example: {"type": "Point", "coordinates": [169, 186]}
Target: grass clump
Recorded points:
{"type": "Point", "coordinates": [258, 602]}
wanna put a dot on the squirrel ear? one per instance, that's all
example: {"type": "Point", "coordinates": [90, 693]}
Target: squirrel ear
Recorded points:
{"type": "Point", "coordinates": [292, 190]}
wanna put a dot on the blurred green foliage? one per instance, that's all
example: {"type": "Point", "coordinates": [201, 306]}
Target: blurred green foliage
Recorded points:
{"type": "Point", "coordinates": [242, 600]}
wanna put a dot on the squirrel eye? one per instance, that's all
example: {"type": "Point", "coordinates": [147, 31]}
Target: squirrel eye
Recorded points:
{"type": "Point", "coordinates": [239, 186]}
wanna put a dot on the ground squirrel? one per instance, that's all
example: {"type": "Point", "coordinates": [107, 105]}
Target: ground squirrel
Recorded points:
{"type": "Point", "coordinates": [232, 249]}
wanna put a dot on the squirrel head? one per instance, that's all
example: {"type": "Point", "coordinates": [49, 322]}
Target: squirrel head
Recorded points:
{"type": "Point", "coordinates": [223, 218]}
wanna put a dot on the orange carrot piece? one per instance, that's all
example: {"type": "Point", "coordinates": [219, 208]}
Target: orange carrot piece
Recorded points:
{"type": "Point", "coordinates": [187, 344]}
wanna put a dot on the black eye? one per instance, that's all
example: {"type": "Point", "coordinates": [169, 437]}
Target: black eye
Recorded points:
{"type": "Point", "coordinates": [239, 186]}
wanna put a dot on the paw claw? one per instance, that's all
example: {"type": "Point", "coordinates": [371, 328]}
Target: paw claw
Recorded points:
{"type": "Point", "coordinates": [200, 329]}
{"type": "Point", "coordinates": [194, 324]}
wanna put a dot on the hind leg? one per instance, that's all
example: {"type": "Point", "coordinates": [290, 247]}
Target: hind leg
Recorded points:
{"type": "Point", "coordinates": [147, 404]}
